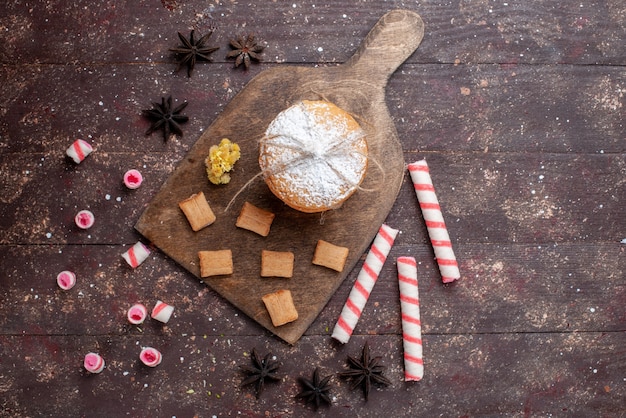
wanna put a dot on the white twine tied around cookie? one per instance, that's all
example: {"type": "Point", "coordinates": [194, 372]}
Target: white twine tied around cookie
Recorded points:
{"type": "Point", "coordinates": [308, 156]}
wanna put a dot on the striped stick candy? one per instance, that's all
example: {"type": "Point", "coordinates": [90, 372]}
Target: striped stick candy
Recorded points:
{"type": "Point", "coordinates": [411, 325]}
{"type": "Point", "coordinates": [136, 255]}
{"type": "Point", "coordinates": [365, 281]}
{"type": "Point", "coordinates": [79, 150]}
{"type": "Point", "coordinates": [437, 231]}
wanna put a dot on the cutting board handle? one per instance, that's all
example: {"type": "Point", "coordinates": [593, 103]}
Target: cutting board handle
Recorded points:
{"type": "Point", "coordinates": [390, 42]}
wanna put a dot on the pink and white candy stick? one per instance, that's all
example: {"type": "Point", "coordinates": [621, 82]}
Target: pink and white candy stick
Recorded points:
{"type": "Point", "coordinates": [137, 314]}
{"type": "Point", "coordinates": [133, 179]}
{"type": "Point", "coordinates": [66, 280]}
{"type": "Point", "coordinates": [411, 325]}
{"type": "Point", "coordinates": [151, 357]}
{"type": "Point", "coordinates": [162, 312]}
{"type": "Point", "coordinates": [79, 150]}
{"type": "Point", "coordinates": [365, 281]}
{"type": "Point", "coordinates": [136, 255]}
{"type": "Point", "coordinates": [437, 231]}
{"type": "Point", "coordinates": [93, 363]}
{"type": "Point", "coordinates": [84, 219]}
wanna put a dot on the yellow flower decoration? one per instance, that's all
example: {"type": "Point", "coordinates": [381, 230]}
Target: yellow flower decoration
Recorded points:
{"type": "Point", "coordinates": [221, 160]}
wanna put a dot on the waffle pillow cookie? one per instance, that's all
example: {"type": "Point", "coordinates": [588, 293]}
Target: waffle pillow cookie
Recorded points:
{"type": "Point", "coordinates": [313, 156]}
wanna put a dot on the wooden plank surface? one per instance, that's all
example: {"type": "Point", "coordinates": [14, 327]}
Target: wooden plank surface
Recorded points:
{"type": "Point", "coordinates": [490, 374]}
{"type": "Point", "coordinates": [519, 109]}
{"type": "Point", "coordinates": [544, 32]}
{"type": "Point", "coordinates": [358, 88]}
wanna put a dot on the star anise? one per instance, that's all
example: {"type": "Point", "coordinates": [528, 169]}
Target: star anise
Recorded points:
{"type": "Point", "coordinates": [315, 390]}
{"type": "Point", "coordinates": [244, 49]}
{"type": "Point", "coordinates": [191, 51]}
{"type": "Point", "coordinates": [260, 370]}
{"type": "Point", "coordinates": [365, 371]}
{"type": "Point", "coordinates": [164, 117]}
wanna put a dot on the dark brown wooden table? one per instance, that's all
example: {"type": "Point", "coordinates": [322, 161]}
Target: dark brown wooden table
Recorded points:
{"type": "Point", "coordinates": [519, 109]}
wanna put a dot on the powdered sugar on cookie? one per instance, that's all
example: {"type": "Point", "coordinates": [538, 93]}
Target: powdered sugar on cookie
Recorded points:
{"type": "Point", "coordinates": [313, 156]}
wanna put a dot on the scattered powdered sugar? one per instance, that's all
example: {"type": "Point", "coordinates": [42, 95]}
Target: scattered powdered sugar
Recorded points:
{"type": "Point", "coordinates": [314, 157]}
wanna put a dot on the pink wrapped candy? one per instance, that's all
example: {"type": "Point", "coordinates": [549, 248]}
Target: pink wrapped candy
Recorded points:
{"type": "Point", "coordinates": [162, 311]}
{"type": "Point", "coordinates": [79, 150]}
{"type": "Point", "coordinates": [151, 357]}
{"type": "Point", "coordinates": [66, 280]}
{"type": "Point", "coordinates": [84, 219]}
{"type": "Point", "coordinates": [93, 363]}
{"type": "Point", "coordinates": [136, 255]}
{"type": "Point", "coordinates": [133, 179]}
{"type": "Point", "coordinates": [137, 314]}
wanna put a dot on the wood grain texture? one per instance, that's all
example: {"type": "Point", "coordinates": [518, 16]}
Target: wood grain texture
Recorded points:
{"type": "Point", "coordinates": [127, 31]}
{"type": "Point", "coordinates": [503, 98]}
{"type": "Point", "coordinates": [488, 374]}
{"type": "Point", "coordinates": [358, 88]}
{"type": "Point", "coordinates": [510, 287]}
{"type": "Point", "coordinates": [435, 108]}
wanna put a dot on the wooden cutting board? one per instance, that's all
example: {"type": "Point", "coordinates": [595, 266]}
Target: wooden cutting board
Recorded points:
{"type": "Point", "coordinates": [358, 86]}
